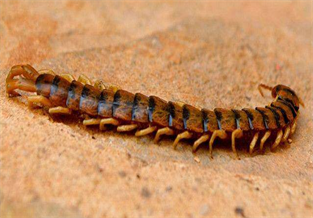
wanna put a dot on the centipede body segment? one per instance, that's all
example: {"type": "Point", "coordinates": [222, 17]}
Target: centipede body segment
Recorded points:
{"type": "Point", "coordinates": [110, 105]}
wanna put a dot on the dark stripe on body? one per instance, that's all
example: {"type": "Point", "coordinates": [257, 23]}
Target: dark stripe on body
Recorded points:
{"type": "Point", "coordinates": [71, 92]}
{"type": "Point", "coordinates": [135, 105]}
{"type": "Point", "coordinates": [102, 100]}
{"type": "Point", "coordinates": [105, 103]}
{"type": "Point", "coordinates": [171, 110]}
{"type": "Point", "coordinates": [84, 94]}
{"type": "Point", "coordinates": [283, 113]}
{"type": "Point", "coordinates": [276, 115]}
{"type": "Point", "coordinates": [265, 118]}
{"type": "Point", "coordinates": [289, 101]}
{"type": "Point", "coordinates": [205, 120]}
{"type": "Point", "coordinates": [55, 85]}
{"type": "Point", "coordinates": [151, 108]}
{"type": "Point", "coordinates": [116, 102]}
{"type": "Point", "coordinates": [237, 118]}
{"type": "Point", "coordinates": [250, 118]}
{"type": "Point", "coordinates": [39, 81]}
{"type": "Point", "coordinates": [73, 95]}
{"type": "Point", "coordinates": [43, 84]}
{"type": "Point", "coordinates": [218, 118]}
{"type": "Point", "coordinates": [288, 104]}
{"type": "Point", "coordinates": [186, 115]}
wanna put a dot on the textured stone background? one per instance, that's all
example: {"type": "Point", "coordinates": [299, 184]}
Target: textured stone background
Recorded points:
{"type": "Point", "coordinates": [205, 53]}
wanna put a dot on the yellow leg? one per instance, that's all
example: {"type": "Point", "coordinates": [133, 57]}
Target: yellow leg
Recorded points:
{"type": "Point", "coordinates": [25, 82]}
{"type": "Point", "coordinates": [180, 103]}
{"type": "Point", "coordinates": [38, 99]}
{"type": "Point", "coordinates": [68, 77]}
{"type": "Point", "coordinates": [126, 128]}
{"type": "Point", "coordinates": [102, 126]}
{"type": "Point", "coordinates": [163, 131]}
{"type": "Point", "coordinates": [89, 122]}
{"type": "Point", "coordinates": [199, 141]}
{"type": "Point", "coordinates": [217, 133]}
{"type": "Point", "coordinates": [114, 88]}
{"type": "Point", "coordinates": [46, 71]}
{"type": "Point", "coordinates": [21, 84]}
{"type": "Point", "coordinates": [236, 134]}
{"type": "Point", "coordinates": [263, 140]}
{"type": "Point", "coordinates": [146, 131]}
{"type": "Point", "coordinates": [253, 142]}
{"type": "Point", "coordinates": [286, 134]}
{"type": "Point", "coordinates": [184, 135]}
{"type": "Point", "coordinates": [293, 128]}
{"type": "Point", "coordinates": [278, 139]}
{"type": "Point", "coordinates": [99, 85]}
{"type": "Point", "coordinates": [26, 70]}
{"type": "Point", "coordinates": [108, 121]}
{"type": "Point", "coordinates": [84, 80]}
{"type": "Point", "coordinates": [59, 110]}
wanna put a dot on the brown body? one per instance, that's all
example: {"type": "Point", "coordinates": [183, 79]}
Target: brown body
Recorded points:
{"type": "Point", "coordinates": [140, 111]}
{"type": "Point", "coordinates": [123, 106]}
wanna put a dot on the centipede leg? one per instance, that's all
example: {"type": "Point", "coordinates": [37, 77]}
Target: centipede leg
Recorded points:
{"type": "Point", "coordinates": [253, 142]}
{"type": "Point", "coordinates": [21, 84]}
{"type": "Point", "coordinates": [99, 85]}
{"type": "Point", "coordinates": [286, 134]}
{"type": "Point", "coordinates": [126, 128]}
{"type": "Point", "coordinates": [163, 131]}
{"type": "Point", "coordinates": [114, 88]}
{"type": "Point", "coordinates": [84, 80]}
{"type": "Point", "coordinates": [47, 71]}
{"type": "Point", "coordinates": [26, 70]}
{"type": "Point", "coordinates": [108, 121]}
{"type": "Point", "coordinates": [236, 134]}
{"type": "Point", "coordinates": [217, 133]}
{"type": "Point", "coordinates": [146, 131]}
{"type": "Point", "coordinates": [60, 110]}
{"type": "Point", "coordinates": [293, 128]}
{"type": "Point", "coordinates": [89, 122]}
{"type": "Point", "coordinates": [264, 138]}
{"type": "Point", "coordinates": [25, 83]}
{"type": "Point", "coordinates": [38, 99]}
{"type": "Point", "coordinates": [68, 77]}
{"type": "Point", "coordinates": [180, 103]}
{"type": "Point", "coordinates": [184, 135]}
{"type": "Point", "coordinates": [199, 141]}
{"type": "Point", "coordinates": [278, 139]}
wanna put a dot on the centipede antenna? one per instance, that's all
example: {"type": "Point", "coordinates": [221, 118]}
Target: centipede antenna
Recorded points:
{"type": "Point", "coordinates": [263, 86]}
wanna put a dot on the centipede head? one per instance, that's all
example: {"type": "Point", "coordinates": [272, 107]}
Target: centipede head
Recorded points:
{"type": "Point", "coordinates": [21, 77]}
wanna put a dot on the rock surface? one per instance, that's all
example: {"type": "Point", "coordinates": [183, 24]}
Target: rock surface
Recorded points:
{"type": "Point", "coordinates": [207, 54]}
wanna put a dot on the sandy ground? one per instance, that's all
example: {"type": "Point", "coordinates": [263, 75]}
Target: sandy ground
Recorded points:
{"type": "Point", "coordinates": [205, 53]}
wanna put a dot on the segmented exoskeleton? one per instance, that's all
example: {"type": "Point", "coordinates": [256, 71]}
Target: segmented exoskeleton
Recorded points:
{"type": "Point", "coordinates": [109, 105]}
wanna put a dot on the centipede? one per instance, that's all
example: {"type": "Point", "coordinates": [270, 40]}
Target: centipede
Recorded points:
{"type": "Point", "coordinates": [106, 105]}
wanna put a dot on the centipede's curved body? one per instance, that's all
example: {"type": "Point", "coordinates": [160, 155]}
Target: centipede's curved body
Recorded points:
{"type": "Point", "coordinates": [148, 114]}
